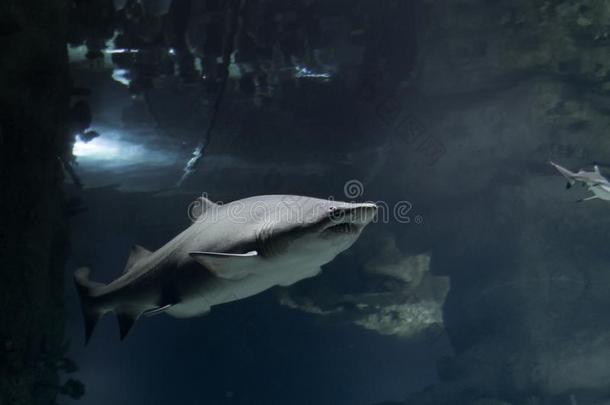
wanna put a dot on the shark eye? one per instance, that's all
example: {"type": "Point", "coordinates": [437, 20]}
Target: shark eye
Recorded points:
{"type": "Point", "coordinates": [336, 214]}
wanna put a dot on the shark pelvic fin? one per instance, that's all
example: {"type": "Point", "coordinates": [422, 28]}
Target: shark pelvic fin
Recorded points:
{"type": "Point", "coordinates": [126, 320]}
{"type": "Point", "coordinates": [137, 253]}
{"type": "Point", "coordinates": [169, 298]}
{"type": "Point", "coordinates": [232, 266]}
{"type": "Point", "coordinates": [156, 311]}
{"type": "Point", "coordinates": [86, 291]}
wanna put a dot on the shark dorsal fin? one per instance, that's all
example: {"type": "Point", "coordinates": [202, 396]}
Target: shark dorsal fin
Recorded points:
{"type": "Point", "coordinates": [200, 206]}
{"type": "Point", "coordinates": [231, 266]}
{"type": "Point", "coordinates": [137, 253]}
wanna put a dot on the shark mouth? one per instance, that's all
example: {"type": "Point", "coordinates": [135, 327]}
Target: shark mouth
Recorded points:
{"type": "Point", "coordinates": [350, 220]}
{"type": "Point", "coordinates": [342, 228]}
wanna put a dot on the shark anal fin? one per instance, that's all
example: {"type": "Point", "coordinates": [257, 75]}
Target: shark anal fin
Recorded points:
{"type": "Point", "coordinates": [126, 321]}
{"type": "Point", "coordinates": [137, 253]}
{"type": "Point", "coordinates": [231, 266]}
{"type": "Point", "coordinates": [91, 320]}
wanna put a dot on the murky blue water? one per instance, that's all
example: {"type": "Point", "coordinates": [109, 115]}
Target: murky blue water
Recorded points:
{"type": "Point", "coordinates": [480, 281]}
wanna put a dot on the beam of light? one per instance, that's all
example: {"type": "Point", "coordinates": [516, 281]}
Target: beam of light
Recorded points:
{"type": "Point", "coordinates": [96, 149]}
{"type": "Point", "coordinates": [113, 149]}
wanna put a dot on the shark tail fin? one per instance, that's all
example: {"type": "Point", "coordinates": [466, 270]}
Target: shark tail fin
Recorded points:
{"type": "Point", "coordinates": [87, 292]}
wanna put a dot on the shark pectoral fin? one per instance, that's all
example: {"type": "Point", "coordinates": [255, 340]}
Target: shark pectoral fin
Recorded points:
{"type": "Point", "coordinates": [126, 320]}
{"type": "Point", "coordinates": [137, 253]}
{"type": "Point", "coordinates": [232, 266]}
{"type": "Point", "coordinates": [593, 197]}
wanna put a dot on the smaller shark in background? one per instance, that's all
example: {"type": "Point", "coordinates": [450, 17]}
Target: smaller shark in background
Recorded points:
{"type": "Point", "coordinates": [594, 181]}
{"type": "Point", "coordinates": [230, 252]}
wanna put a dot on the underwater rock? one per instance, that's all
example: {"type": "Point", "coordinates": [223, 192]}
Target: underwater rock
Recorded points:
{"type": "Point", "coordinates": [391, 263]}
{"type": "Point", "coordinates": [401, 297]}
{"type": "Point", "coordinates": [406, 320]}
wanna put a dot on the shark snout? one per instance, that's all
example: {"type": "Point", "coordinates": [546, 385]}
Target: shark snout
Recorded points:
{"type": "Point", "coordinates": [565, 172]}
{"type": "Point", "coordinates": [351, 218]}
{"type": "Point", "coordinates": [362, 214]}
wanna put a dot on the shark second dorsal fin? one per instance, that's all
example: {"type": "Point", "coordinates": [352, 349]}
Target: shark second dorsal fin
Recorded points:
{"type": "Point", "coordinates": [137, 253]}
{"type": "Point", "coordinates": [199, 207]}
{"type": "Point", "coordinates": [231, 266]}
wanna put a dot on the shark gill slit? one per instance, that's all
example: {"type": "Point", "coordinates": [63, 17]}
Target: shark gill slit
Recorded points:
{"type": "Point", "coordinates": [263, 240]}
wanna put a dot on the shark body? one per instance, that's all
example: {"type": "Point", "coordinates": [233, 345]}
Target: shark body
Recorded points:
{"type": "Point", "coordinates": [593, 180]}
{"type": "Point", "coordinates": [230, 252]}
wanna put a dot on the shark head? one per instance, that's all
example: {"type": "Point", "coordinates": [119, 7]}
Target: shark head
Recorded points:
{"type": "Point", "coordinates": [282, 236]}
{"type": "Point", "coordinates": [312, 230]}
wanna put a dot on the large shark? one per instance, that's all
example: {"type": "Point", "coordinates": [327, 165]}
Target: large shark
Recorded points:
{"type": "Point", "coordinates": [231, 251]}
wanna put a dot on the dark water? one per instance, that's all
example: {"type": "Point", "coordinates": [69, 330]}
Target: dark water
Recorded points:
{"type": "Point", "coordinates": [480, 282]}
